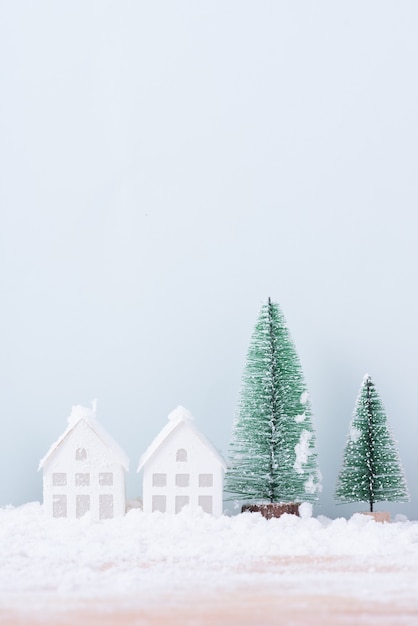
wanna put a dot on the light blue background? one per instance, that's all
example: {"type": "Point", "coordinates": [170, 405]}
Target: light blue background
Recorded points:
{"type": "Point", "coordinates": [167, 166]}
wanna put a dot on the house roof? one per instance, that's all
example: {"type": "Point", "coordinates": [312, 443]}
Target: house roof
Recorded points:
{"type": "Point", "coordinates": [88, 416]}
{"type": "Point", "coordinates": [178, 417]}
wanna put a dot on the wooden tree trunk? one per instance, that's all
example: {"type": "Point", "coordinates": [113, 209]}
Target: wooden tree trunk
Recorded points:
{"type": "Point", "coordinates": [274, 509]}
{"type": "Point", "coordinates": [378, 516]}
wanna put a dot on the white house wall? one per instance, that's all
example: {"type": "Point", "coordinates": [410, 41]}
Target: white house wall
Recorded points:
{"type": "Point", "coordinates": [183, 479]}
{"type": "Point", "coordinates": [71, 475]}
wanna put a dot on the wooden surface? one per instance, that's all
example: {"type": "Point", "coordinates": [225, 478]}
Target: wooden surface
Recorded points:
{"type": "Point", "coordinates": [347, 593]}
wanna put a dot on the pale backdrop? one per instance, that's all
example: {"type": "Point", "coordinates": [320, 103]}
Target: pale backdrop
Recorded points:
{"type": "Point", "coordinates": [164, 168]}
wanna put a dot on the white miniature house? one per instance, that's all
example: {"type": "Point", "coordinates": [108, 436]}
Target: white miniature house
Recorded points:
{"type": "Point", "coordinates": [84, 471]}
{"type": "Point", "coordinates": [182, 468]}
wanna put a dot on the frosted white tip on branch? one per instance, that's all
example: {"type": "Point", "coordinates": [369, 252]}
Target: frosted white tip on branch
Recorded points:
{"type": "Point", "coordinates": [354, 434]}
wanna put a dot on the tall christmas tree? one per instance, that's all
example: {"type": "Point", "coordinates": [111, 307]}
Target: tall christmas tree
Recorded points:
{"type": "Point", "coordinates": [371, 470]}
{"type": "Point", "coordinates": [272, 454]}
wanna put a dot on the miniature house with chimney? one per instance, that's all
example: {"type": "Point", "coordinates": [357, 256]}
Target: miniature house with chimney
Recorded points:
{"type": "Point", "coordinates": [182, 468]}
{"type": "Point", "coordinates": [84, 471]}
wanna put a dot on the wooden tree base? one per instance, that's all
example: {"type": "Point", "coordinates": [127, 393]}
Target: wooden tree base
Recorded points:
{"type": "Point", "coordinates": [378, 516]}
{"type": "Point", "coordinates": [274, 509]}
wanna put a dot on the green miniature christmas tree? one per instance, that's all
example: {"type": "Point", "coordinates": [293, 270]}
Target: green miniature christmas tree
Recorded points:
{"type": "Point", "coordinates": [371, 470]}
{"type": "Point", "coordinates": [272, 454]}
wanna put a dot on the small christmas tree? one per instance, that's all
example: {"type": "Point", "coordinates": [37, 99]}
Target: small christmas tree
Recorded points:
{"type": "Point", "coordinates": [371, 470]}
{"type": "Point", "coordinates": [272, 455]}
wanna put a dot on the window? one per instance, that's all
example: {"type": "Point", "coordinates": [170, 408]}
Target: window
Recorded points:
{"type": "Point", "coordinates": [206, 503]}
{"type": "Point", "coordinates": [82, 480]}
{"type": "Point", "coordinates": [181, 501]}
{"type": "Point", "coordinates": [159, 503]}
{"type": "Point", "coordinates": [106, 479]}
{"type": "Point", "coordinates": [159, 480]}
{"type": "Point", "coordinates": [59, 506]}
{"type": "Point", "coordinates": [182, 480]}
{"type": "Point", "coordinates": [82, 505]}
{"type": "Point", "coordinates": [81, 454]}
{"type": "Point", "coordinates": [181, 455]}
{"type": "Point", "coordinates": [205, 480]}
{"type": "Point", "coordinates": [105, 506]}
{"type": "Point", "coordinates": [59, 479]}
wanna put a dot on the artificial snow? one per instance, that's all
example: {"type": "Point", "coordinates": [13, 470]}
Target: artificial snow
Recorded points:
{"type": "Point", "coordinates": [79, 412]}
{"type": "Point", "coordinates": [140, 557]}
{"type": "Point", "coordinates": [300, 418]}
{"type": "Point", "coordinates": [302, 451]}
{"type": "Point", "coordinates": [311, 486]}
{"type": "Point", "coordinates": [304, 397]}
